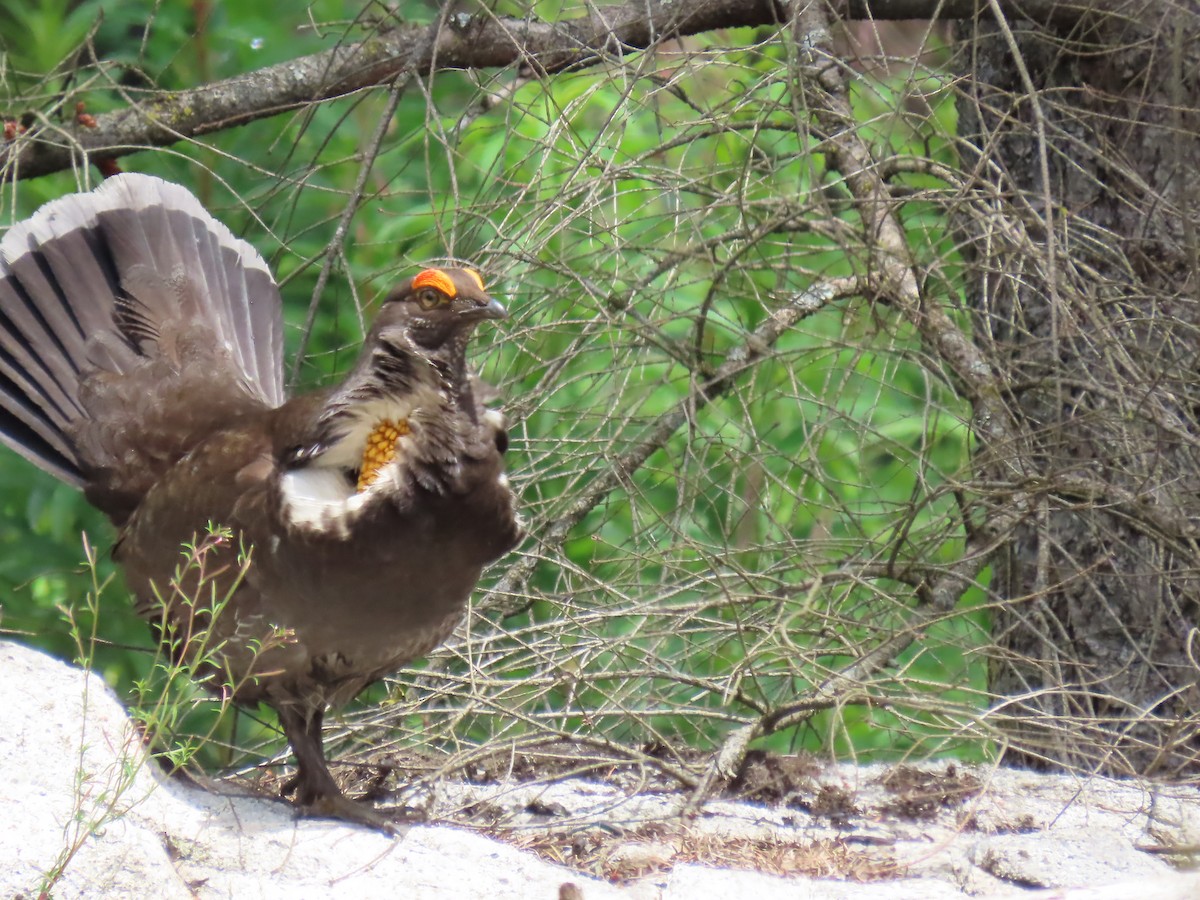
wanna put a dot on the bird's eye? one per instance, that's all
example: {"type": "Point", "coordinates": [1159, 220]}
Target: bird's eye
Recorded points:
{"type": "Point", "coordinates": [430, 299]}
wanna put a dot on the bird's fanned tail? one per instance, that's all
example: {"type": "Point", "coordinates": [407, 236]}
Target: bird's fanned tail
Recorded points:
{"type": "Point", "coordinates": [129, 287]}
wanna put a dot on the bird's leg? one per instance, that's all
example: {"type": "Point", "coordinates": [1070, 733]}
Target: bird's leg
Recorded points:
{"type": "Point", "coordinates": [317, 794]}
{"type": "Point", "coordinates": [312, 778]}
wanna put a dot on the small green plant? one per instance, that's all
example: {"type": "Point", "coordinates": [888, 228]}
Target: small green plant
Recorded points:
{"type": "Point", "coordinates": [182, 702]}
{"type": "Point", "coordinates": [188, 653]}
{"type": "Point", "coordinates": [191, 615]}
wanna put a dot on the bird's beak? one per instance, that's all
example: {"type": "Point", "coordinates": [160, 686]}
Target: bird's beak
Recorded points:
{"type": "Point", "coordinates": [493, 310]}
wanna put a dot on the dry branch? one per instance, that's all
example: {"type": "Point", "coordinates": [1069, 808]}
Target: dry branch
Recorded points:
{"type": "Point", "coordinates": [756, 347]}
{"type": "Point", "coordinates": [893, 279]}
{"type": "Point", "coordinates": [460, 42]}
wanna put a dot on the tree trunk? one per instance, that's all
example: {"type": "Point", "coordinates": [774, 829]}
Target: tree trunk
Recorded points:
{"type": "Point", "coordinates": [1087, 293]}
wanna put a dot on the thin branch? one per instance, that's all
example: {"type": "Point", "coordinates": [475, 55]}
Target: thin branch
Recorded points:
{"type": "Point", "coordinates": [892, 277]}
{"type": "Point", "coordinates": [755, 348]}
{"type": "Point", "coordinates": [464, 42]}
{"type": "Point", "coordinates": [335, 249]}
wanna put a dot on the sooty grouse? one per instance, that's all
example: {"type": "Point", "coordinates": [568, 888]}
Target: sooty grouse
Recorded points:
{"type": "Point", "coordinates": [141, 360]}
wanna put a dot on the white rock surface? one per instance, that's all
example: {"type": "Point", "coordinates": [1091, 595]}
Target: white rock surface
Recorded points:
{"type": "Point", "coordinates": [80, 798]}
{"type": "Point", "coordinates": [84, 814]}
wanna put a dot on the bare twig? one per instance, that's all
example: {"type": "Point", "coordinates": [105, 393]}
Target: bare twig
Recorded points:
{"type": "Point", "coordinates": [480, 42]}
{"type": "Point", "coordinates": [754, 348]}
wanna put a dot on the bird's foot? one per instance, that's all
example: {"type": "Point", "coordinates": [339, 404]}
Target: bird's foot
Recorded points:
{"type": "Point", "coordinates": [323, 799]}
{"type": "Point", "coordinates": [339, 806]}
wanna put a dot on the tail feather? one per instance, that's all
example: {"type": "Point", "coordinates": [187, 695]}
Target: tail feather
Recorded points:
{"type": "Point", "coordinates": [161, 226]}
{"type": "Point", "coordinates": [37, 397]}
{"type": "Point", "coordinates": [34, 408]}
{"type": "Point", "coordinates": [25, 329]}
{"type": "Point", "coordinates": [134, 293]}
{"type": "Point", "coordinates": [234, 314]}
{"type": "Point", "coordinates": [43, 316]}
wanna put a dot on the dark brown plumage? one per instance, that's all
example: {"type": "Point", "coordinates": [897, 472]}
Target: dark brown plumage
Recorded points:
{"type": "Point", "coordinates": [141, 359]}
